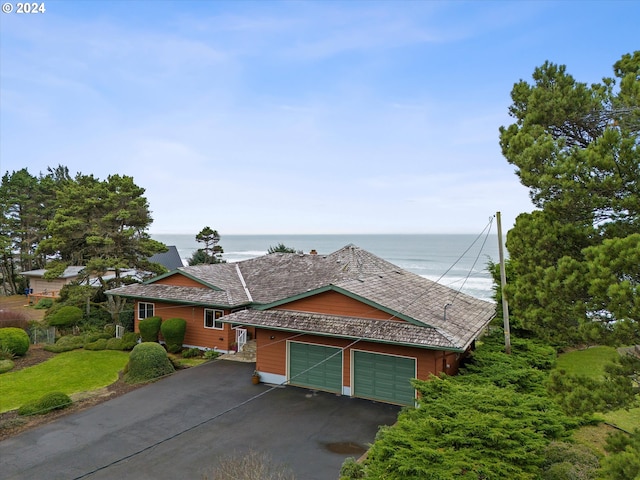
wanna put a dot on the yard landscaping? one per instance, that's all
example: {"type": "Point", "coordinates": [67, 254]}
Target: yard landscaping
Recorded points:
{"type": "Point", "coordinates": [590, 363]}
{"type": "Point", "coordinates": [70, 372]}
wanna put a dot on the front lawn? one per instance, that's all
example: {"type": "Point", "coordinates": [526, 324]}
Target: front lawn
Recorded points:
{"type": "Point", "coordinates": [70, 372]}
{"type": "Point", "coordinates": [589, 362]}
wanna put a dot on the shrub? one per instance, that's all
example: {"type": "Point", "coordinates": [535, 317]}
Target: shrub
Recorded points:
{"type": "Point", "coordinates": [66, 344]}
{"type": "Point", "coordinates": [127, 342]}
{"type": "Point", "coordinates": [191, 352]}
{"type": "Point", "coordinates": [6, 365]}
{"type": "Point", "coordinates": [14, 339]}
{"type": "Point", "coordinates": [173, 331]}
{"type": "Point", "coordinates": [10, 318]}
{"type": "Point", "coordinates": [66, 316]}
{"type": "Point", "coordinates": [100, 344]}
{"type": "Point", "coordinates": [148, 360]}
{"type": "Point", "coordinates": [46, 403]}
{"type": "Point", "coordinates": [210, 354]}
{"type": "Point", "coordinates": [44, 303]}
{"type": "Point", "coordinates": [351, 469]}
{"type": "Point", "coordinates": [92, 337]}
{"type": "Point", "coordinates": [149, 329]}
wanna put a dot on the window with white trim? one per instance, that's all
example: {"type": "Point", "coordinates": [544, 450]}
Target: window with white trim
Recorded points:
{"type": "Point", "coordinates": [211, 319]}
{"type": "Point", "coordinates": [145, 310]}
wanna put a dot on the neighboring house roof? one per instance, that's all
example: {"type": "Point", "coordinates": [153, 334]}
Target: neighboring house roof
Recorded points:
{"type": "Point", "coordinates": [279, 278]}
{"type": "Point", "coordinates": [69, 272]}
{"type": "Point", "coordinates": [169, 259]}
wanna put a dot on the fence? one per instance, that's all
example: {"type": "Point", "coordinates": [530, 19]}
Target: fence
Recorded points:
{"type": "Point", "coordinates": [41, 334]}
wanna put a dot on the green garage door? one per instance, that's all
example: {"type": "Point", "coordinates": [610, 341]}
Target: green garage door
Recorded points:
{"type": "Point", "coordinates": [384, 377]}
{"type": "Point", "coordinates": [310, 366]}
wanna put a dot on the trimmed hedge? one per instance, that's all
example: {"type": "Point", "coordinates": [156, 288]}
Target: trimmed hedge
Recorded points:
{"type": "Point", "coordinates": [149, 329]}
{"type": "Point", "coordinates": [173, 331]}
{"type": "Point", "coordinates": [46, 403]}
{"type": "Point", "coordinates": [15, 340]}
{"type": "Point", "coordinates": [6, 365]}
{"type": "Point", "coordinates": [147, 361]}
{"type": "Point", "coordinates": [66, 344]}
{"type": "Point", "coordinates": [100, 344]}
{"type": "Point", "coordinates": [66, 316]}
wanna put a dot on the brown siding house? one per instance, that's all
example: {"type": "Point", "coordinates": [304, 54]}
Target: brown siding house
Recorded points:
{"type": "Point", "coordinates": [348, 322]}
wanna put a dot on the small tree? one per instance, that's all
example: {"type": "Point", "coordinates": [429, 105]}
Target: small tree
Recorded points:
{"type": "Point", "coordinates": [66, 316]}
{"type": "Point", "coordinates": [282, 248]}
{"type": "Point", "coordinates": [212, 252]}
{"type": "Point", "coordinates": [146, 362]}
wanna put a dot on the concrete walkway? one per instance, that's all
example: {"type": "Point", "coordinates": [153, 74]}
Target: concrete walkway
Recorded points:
{"type": "Point", "coordinates": [179, 427]}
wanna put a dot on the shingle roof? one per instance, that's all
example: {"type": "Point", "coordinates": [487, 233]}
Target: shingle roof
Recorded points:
{"type": "Point", "coordinates": [278, 277]}
{"type": "Point", "coordinates": [69, 272]}
{"type": "Point", "coordinates": [346, 327]}
{"type": "Point", "coordinates": [169, 259]}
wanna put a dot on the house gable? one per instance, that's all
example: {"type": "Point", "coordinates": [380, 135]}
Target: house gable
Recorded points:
{"type": "Point", "coordinates": [179, 278]}
{"type": "Point", "coordinates": [345, 298]}
{"type": "Point", "coordinates": [333, 302]}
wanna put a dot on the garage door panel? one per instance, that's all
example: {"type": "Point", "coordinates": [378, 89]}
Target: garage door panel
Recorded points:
{"type": "Point", "coordinates": [315, 366]}
{"type": "Point", "coordinates": [384, 377]}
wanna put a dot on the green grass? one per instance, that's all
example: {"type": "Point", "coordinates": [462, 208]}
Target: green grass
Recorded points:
{"type": "Point", "coordinates": [70, 372]}
{"type": "Point", "coordinates": [588, 363]}
{"type": "Point", "coordinates": [628, 420]}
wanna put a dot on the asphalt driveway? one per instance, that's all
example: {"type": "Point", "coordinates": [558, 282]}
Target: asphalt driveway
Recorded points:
{"type": "Point", "coordinates": [181, 426]}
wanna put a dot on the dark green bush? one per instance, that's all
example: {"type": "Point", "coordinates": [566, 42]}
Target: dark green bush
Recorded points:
{"type": "Point", "coordinates": [92, 337]}
{"type": "Point", "coordinates": [148, 360]}
{"type": "Point", "coordinates": [100, 344]}
{"type": "Point", "coordinates": [149, 329]}
{"type": "Point", "coordinates": [66, 316]}
{"type": "Point", "coordinates": [173, 331]}
{"type": "Point", "coordinates": [6, 365]}
{"type": "Point", "coordinates": [191, 353]}
{"type": "Point", "coordinates": [66, 344]}
{"type": "Point", "coordinates": [127, 342]}
{"type": "Point", "coordinates": [46, 403]}
{"type": "Point", "coordinates": [44, 303]}
{"type": "Point", "coordinates": [15, 340]}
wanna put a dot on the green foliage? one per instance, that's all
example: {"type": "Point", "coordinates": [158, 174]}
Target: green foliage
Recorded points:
{"type": "Point", "coordinates": [495, 420]}
{"type": "Point", "coordinates": [65, 316]}
{"type": "Point", "coordinates": [124, 343]}
{"type": "Point", "coordinates": [351, 469]}
{"type": "Point", "coordinates": [100, 344]}
{"type": "Point", "coordinates": [43, 304]}
{"type": "Point", "coordinates": [568, 461]}
{"type": "Point", "coordinates": [147, 361]}
{"type": "Point", "coordinates": [583, 395]}
{"type": "Point", "coordinates": [6, 365]}
{"type": "Point", "coordinates": [212, 252]}
{"type": "Point", "coordinates": [15, 340]}
{"type": "Point", "coordinates": [210, 354]}
{"type": "Point", "coordinates": [573, 264]}
{"type": "Point", "coordinates": [150, 328]}
{"type": "Point", "coordinates": [68, 343]}
{"type": "Point", "coordinates": [46, 403]}
{"type": "Point", "coordinates": [282, 248]}
{"type": "Point", "coordinates": [173, 330]}
{"type": "Point", "coordinates": [191, 353]}
{"type": "Point", "coordinates": [623, 463]}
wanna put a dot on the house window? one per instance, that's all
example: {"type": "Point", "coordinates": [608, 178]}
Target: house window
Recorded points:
{"type": "Point", "coordinates": [145, 310]}
{"type": "Point", "coordinates": [211, 319]}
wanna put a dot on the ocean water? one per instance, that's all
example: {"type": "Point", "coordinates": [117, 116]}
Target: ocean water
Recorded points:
{"type": "Point", "coordinates": [457, 261]}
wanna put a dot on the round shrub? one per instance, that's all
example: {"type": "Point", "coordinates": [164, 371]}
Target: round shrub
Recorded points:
{"type": "Point", "coordinates": [100, 344]}
{"type": "Point", "coordinates": [149, 329]}
{"type": "Point", "coordinates": [6, 365]}
{"type": "Point", "coordinates": [148, 360]}
{"type": "Point", "coordinates": [173, 331]}
{"type": "Point", "coordinates": [43, 304]}
{"type": "Point", "coordinates": [66, 316]}
{"type": "Point", "coordinates": [46, 403]}
{"type": "Point", "coordinates": [15, 340]}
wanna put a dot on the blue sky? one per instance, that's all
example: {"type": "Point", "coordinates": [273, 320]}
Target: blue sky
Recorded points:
{"type": "Point", "coordinates": [293, 117]}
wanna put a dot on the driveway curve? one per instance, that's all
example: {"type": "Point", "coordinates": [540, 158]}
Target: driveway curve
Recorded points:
{"type": "Point", "coordinates": [181, 426]}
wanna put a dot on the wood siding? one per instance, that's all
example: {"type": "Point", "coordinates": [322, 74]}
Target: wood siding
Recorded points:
{"type": "Point", "coordinates": [179, 280]}
{"type": "Point", "coordinates": [335, 303]}
{"type": "Point", "coordinates": [272, 353]}
{"type": "Point", "coordinates": [196, 335]}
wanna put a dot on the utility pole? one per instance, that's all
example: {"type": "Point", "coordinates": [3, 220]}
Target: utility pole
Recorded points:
{"type": "Point", "coordinates": [503, 284]}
